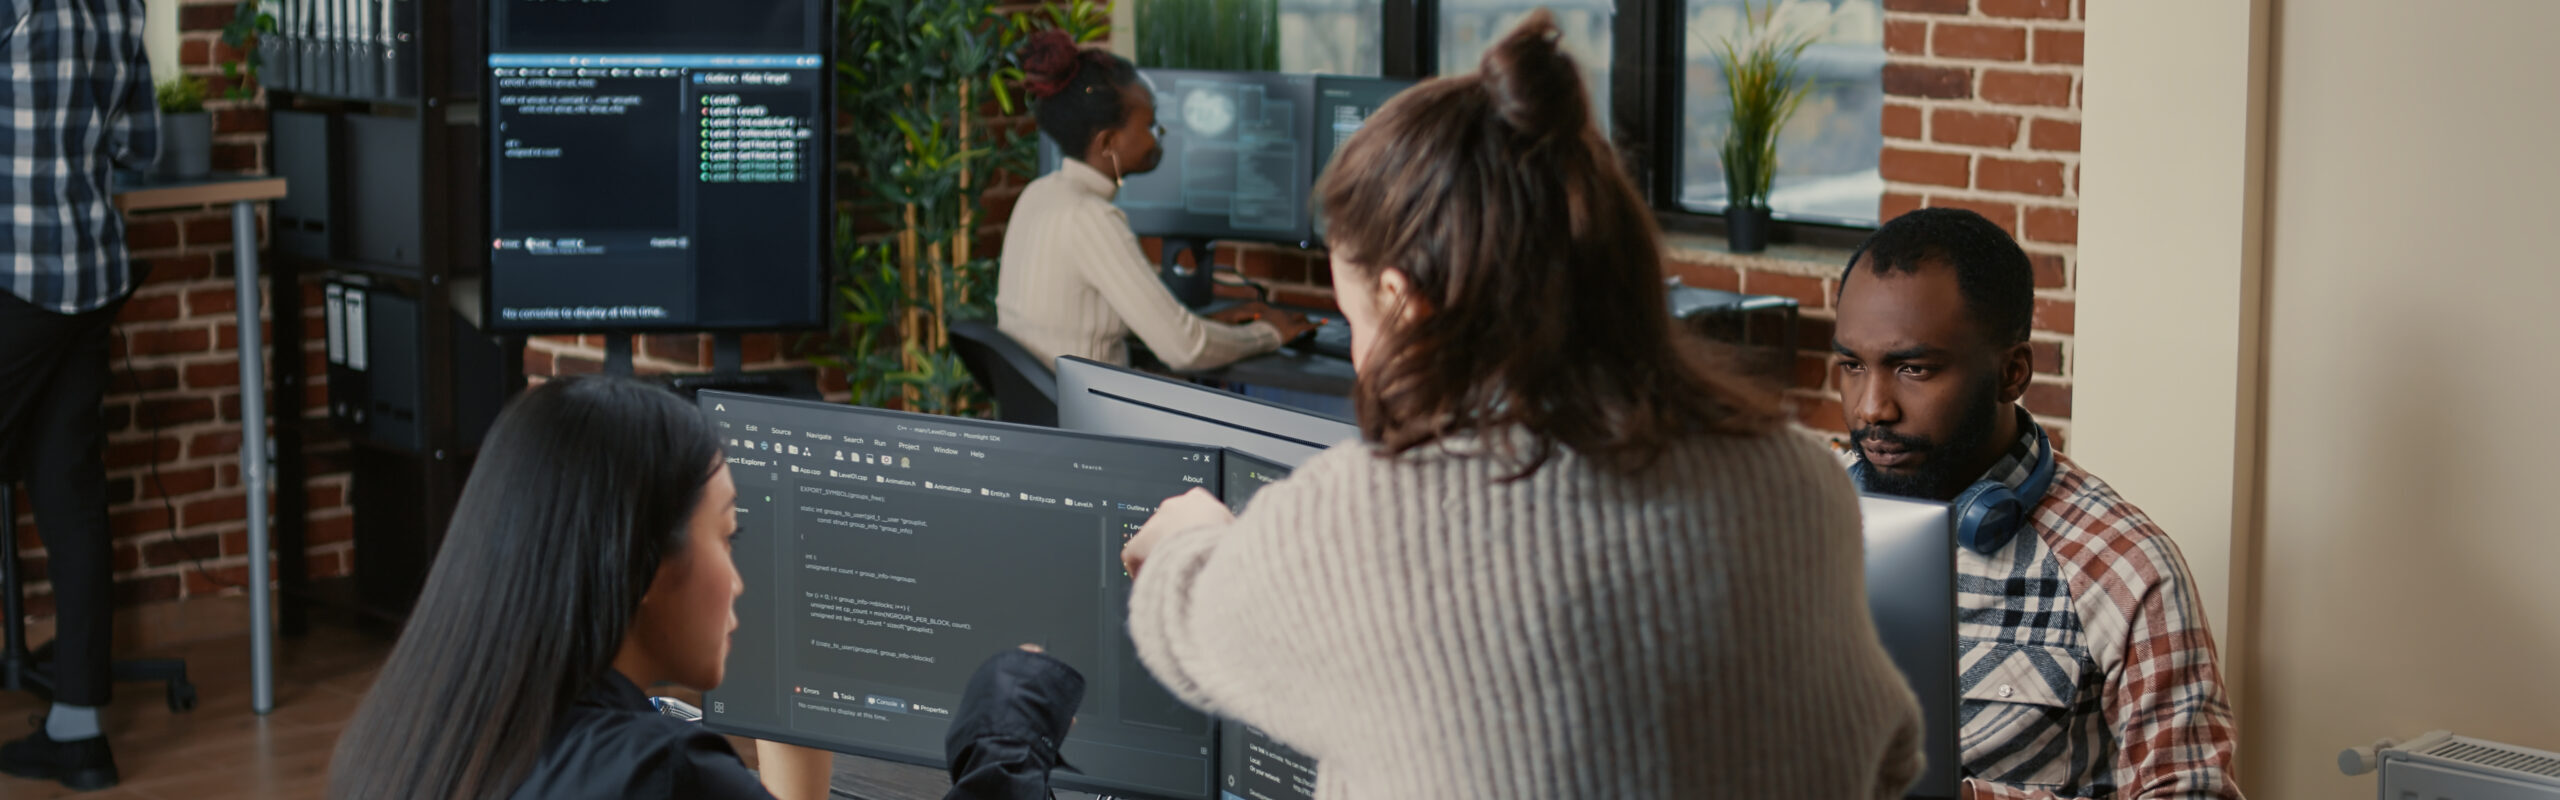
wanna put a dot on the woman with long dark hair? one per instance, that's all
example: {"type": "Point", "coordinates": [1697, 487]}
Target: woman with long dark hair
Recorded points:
{"type": "Point", "coordinates": [1572, 556]}
{"type": "Point", "coordinates": [588, 559]}
{"type": "Point", "coordinates": [1074, 281]}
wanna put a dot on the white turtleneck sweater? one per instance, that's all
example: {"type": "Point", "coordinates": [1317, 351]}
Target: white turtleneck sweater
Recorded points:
{"type": "Point", "coordinates": [1075, 283]}
{"type": "Point", "coordinates": [1425, 630]}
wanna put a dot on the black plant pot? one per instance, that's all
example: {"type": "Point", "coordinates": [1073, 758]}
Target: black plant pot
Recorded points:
{"type": "Point", "coordinates": [186, 145]}
{"type": "Point", "coordinates": [1746, 230]}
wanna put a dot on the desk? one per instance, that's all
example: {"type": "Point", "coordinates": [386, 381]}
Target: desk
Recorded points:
{"type": "Point", "coordinates": [241, 191]}
{"type": "Point", "coordinates": [865, 778]}
{"type": "Point", "coordinates": [1287, 369]}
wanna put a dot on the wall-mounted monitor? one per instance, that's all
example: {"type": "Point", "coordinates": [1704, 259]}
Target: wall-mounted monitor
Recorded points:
{"type": "Point", "coordinates": [656, 166]}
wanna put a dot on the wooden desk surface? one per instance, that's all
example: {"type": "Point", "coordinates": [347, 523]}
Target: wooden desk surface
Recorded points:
{"type": "Point", "coordinates": [150, 194]}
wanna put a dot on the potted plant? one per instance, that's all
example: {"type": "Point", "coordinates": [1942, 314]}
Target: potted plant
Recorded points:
{"type": "Point", "coordinates": [917, 78]}
{"type": "Point", "coordinates": [1760, 79]}
{"type": "Point", "coordinates": [186, 131]}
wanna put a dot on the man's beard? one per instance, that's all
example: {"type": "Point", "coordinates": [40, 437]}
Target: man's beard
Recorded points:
{"type": "Point", "coordinates": [1941, 474]}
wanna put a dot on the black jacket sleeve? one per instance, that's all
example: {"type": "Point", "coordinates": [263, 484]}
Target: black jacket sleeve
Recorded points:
{"type": "Point", "coordinates": [1005, 738]}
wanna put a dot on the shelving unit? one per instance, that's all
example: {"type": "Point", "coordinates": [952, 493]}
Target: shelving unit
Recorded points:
{"type": "Point", "coordinates": [390, 153]}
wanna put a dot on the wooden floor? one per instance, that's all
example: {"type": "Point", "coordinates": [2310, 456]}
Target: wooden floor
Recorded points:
{"type": "Point", "coordinates": [220, 750]}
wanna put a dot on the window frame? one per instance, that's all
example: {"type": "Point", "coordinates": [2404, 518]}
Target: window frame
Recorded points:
{"type": "Point", "coordinates": [1647, 57]}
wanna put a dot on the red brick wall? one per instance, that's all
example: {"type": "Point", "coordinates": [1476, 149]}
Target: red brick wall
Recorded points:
{"type": "Point", "coordinates": [184, 377]}
{"type": "Point", "coordinates": [1983, 112]}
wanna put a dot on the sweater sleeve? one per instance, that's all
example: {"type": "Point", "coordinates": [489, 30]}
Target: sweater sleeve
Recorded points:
{"type": "Point", "coordinates": [1107, 255]}
{"type": "Point", "coordinates": [1213, 612]}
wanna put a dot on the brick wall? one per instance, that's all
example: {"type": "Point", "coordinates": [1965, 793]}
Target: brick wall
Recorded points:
{"type": "Point", "coordinates": [175, 368]}
{"type": "Point", "coordinates": [1983, 112]}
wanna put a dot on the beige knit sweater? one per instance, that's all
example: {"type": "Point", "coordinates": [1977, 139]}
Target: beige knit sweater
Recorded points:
{"type": "Point", "coordinates": [1423, 630]}
{"type": "Point", "coordinates": [1075, 283]}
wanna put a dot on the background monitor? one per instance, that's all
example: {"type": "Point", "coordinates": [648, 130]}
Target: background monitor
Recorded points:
{"type": "Point", "coordinates": [885, 555]}
{"type": "Point", "coordinates": [1099, 398]}
{"type": "Point", "coordinates": [1343, 106]}
{"type": "Point", "coordinates": [1911, 591]}
{"type": "Point", "coordinates": [1237, 162]}
{"type": "Point", "coordinates": [655, 167]}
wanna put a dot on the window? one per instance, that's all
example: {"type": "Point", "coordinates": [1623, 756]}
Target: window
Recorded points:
{"type": "Point", "coordinates": [1330, 37]}
{"type": "Point", "coordinates": [1827, 154]}
{"type": "Point", "coordinates": [1470, 27]}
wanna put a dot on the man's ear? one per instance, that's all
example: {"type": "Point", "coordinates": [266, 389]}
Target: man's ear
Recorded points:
{"type": "Point", "coordinates": [2017, 368]}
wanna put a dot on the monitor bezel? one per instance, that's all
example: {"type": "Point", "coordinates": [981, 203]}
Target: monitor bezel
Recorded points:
{"type": "Point", "coordinates": [1076, 781]}
{"type": "Point", "coordinates": [822, 278]}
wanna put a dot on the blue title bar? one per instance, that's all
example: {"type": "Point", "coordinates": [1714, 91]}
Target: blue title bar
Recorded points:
{"type": "Point", "coordinates": [668, 60]}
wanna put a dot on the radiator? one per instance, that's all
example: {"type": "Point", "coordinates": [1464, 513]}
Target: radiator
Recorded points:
{"type": "Point", "coordinates": [2442, 766]}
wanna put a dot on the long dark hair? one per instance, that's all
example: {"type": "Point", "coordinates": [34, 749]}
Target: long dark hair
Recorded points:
{"type": "Point", "coordinates": [1521, 233]}
{"type": "Point", "coordinates": [585, 486]}
{"type": "Point", "coordinates": [1075, 90]}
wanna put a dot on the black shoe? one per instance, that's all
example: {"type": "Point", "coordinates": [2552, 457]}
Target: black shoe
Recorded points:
{"type": "Point", "coordinates": [86, 765]}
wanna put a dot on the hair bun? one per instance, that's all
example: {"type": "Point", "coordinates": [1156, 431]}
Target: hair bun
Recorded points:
{"type": "Point", "coordinates": [1050, 61]}
{"type": "Point", "coordinates": [1535, 86]}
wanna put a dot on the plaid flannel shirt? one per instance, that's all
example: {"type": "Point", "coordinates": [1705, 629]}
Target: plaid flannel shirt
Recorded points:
{"type": "Point", "coordinates": [75, 103]}
{"type": "Point", "coordinates": [2087, 666]}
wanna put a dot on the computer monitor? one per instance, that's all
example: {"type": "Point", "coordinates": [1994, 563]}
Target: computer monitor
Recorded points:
{"type": "Point", "coordinates": [1343, 106]}
{"type": "Point", "coordinates": [1237, 158]}
{"type": "Point", "coordinates": [886, 555]}
{"type": "Point", "coordinates": [653, 167]}
{"type": "Point", "coordinates": [1099, 398]}
{"type": "Point", "coordinates": [1911, 591]}
{"type": "Point", "coordinates": [1252, 765]}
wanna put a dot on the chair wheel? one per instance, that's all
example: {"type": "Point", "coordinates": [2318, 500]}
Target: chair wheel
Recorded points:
{"type": "Point", "coordinates": [182, 697]}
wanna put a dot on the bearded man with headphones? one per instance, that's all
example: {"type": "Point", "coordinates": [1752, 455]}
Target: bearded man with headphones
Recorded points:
{"type": "Point", "coordinates": [2085, 661]}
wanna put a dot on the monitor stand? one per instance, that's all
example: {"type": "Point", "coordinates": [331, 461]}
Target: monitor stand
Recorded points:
{"type": "Point", "coordinates": [1195, 285]}
{"type": "Point", "coordinates": [728, 372]}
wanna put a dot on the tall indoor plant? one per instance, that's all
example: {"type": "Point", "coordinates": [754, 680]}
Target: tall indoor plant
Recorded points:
{"type": "Point", "coordinates": [916, 78]}
{"type": "Point", "coordinates": [1239, 35]}
{"type": "Point", "coordinates": [1760, 78]}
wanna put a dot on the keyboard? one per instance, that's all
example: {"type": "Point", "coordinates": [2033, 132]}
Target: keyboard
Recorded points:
{"type": "Point", "coordinates": [1333, 338]}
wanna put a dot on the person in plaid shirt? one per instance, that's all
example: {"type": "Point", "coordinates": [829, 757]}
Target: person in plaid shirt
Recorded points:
{"type": "Point", "coordinates": [2087, 669]}
{"type": "Point", "coordinates": [75, 102]}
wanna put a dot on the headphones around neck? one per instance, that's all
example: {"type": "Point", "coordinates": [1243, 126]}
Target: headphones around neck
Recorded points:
{"type": "Point", "coordinates": [1989, 513]}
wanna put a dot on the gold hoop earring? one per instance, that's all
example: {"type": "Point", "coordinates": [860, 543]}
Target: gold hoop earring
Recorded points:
{"type": "Point", "coordinates": [1118, 178]}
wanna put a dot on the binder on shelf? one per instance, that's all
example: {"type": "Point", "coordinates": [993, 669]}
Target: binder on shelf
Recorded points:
{"type": "Point", "coordinates": [399, 49]}
{"type": "Point", "coordinates": [336, 59]}
{"type": "Point", "coordinates": [306, 44]}
{"type": "Point", "coordinates": [361, 65]}
{"type": "Point", "coordinates": [275, 69]}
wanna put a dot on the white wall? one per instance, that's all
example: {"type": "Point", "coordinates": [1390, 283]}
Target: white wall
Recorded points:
{"type": "Point", "coordinates": [2317, 338]}
{"type": "Point", "coordinates": [160, 38]}
{"type": "Point", "coordinates": [2410, 577]}
{"type": "Point", "coordinates": [2170, 177]}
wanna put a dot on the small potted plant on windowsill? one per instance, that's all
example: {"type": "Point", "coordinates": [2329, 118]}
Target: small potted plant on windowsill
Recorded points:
{"type": "Point", "coordinates": [1760, 79]}
{"type": "Point", "coordinates": [186, 131]}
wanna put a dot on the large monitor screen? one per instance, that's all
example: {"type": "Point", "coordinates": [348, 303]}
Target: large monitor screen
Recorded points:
{"type": "Point", "coordinates": [1343, 106]}
{"type": "Point", "coordinates": [886, 555]}
{"type": "Point", "coordinates": [656, 165]}
{"type": "Point", "coordinates": [1237, 159]}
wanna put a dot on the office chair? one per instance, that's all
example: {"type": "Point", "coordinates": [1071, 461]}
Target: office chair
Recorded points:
{"type": "Point", "coordinates": [1024, 389]}
{"type": "Point", "coordinates": [22, 670]}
